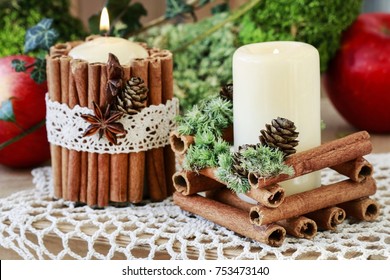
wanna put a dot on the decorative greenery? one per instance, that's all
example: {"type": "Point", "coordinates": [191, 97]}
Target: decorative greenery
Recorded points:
{"type": "Point", "coordinates": [7, 111]}
{"type": "Point", "coordinates": [39, 37]}
{"type": "Point", "coordinates": [209, 116]}
{"type": "Point", "coordinates": [234, 181]}
{"type": "Point", "coordinates": [205, 65]}
{"type": "Point", "coordinates": [263, 160]}
{"type": "Point", "coordinates": [319, 23]}
{"type": "Point", "coordinates": [206, 121]}
{"type": "Point", "coordinates": [16, 16]}
{"type": "Point", "coordinates": [205, 152]}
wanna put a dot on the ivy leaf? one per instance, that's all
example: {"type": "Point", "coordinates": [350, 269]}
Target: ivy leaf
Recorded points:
{"type": "Point", "coordinates": [177, 7]}
{"type": "Point", "coordinates": [18, 65]}
{"type": "Point", "coordinates": [7, 111]}
{"type": "Point", "coordinates": [41, 36]}
{"type": "Point", "coordinates": [39, 72]}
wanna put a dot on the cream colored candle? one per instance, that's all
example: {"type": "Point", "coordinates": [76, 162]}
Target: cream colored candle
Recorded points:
{"type": "Point", "coordinates": [97, 50]}
{"type": "Point", "coordinates": [278, 79]}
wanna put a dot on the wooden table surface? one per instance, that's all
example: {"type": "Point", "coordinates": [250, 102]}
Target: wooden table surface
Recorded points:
{"type": "Point", "coordinates": [14, 180]}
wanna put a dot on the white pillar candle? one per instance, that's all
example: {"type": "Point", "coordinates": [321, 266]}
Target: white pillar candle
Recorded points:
{"type": "Point", "coordinates": [97, 50]}
{"type": "Point", "coordinates": [278, 79]}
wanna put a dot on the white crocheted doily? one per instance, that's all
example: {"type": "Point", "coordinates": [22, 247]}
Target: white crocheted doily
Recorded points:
{"type": "Point", "coordinates": [31, 221]}
{"type": "Point", "coordinates": [146, 130]}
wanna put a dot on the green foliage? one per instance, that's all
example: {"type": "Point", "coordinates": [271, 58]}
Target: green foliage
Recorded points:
{"type": "Point", "coordinates": [205, 152]}
{"type": "Point", "coordinates": [264, 161]}
{"type": "Point", "coordinates": [211, 115]}
{"type": "Point", "coordinates": [124, 17]}
{"type": "Point", "coordinates": [19, 65]}
{"type": "Point", "coordinates": [202, 68]}
{"type": "Point", "coordinates": [16, 16]}
{"type": "Point", "coordinates": [41, 36]}
{"type": "Point", "coordinates": [7, 111]}
{"type": "Point", "coordinates": [206, 121]}
{"type": "Point", "coordinates": [319, 23]}
{"type": "Point", "coordinates": [224, 173]}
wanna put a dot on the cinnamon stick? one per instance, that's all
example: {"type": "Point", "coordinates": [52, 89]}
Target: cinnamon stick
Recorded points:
{"type": "Point", "coordinates": [357, 169]}
{"type": "Point", "coordinates": [180, 143]}
{"type": "Point", "coordinates": [298, 226]}
{"type": "Point", "coordinates": [74, 165]}
{"type": "Point", "coordinates": [139, 68]}
{"type": "Point", "coordinates": [309, 201]}
{"type": "Point", "coordinates": [228, 197]}
{"type": "Point", "coordinates": [328, 218]}
{"type": "Point", "coordinates": [301, 227]}
{"type": "Point", "coordinates": [364, 209]}
{"type": "Point", "coordinates": [64, 70]}
{"type": "Point", "coordinates": [155, 169]}
{"type": "Point", "coordinates": [80, 74]}
{"type": "Point", "coordinates": [270, 196]}
{"type": "Point", "coordinates": [325, 155]}
{"type": "Point", "coordinates": [103, 159]}
{"type": "Point", "coordinates": [60, 49]}
{"type": "Point", "coordinates": [189, 182]}
{"type": "Point", "coordinates": [118, 162]}
{"type": "Point", "coordinates": [166, 59]}
{"type": "Point", "coordinates": [93, 96]}
{"type": "Point", "coordinates": [232, 218]}
{"type": "Point", "coordinates": [54, 89]}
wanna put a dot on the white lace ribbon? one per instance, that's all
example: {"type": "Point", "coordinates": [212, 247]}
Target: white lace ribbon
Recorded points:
{"type": "Point", "coordinates": [146, 130]}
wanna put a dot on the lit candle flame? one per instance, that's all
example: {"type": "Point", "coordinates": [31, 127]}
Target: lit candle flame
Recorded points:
{"type": "Point", "coordinates": [104, 21]}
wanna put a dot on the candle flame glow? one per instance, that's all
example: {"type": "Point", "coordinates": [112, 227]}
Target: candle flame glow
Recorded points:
{"type": "Point", "coordinates": [104, 21]}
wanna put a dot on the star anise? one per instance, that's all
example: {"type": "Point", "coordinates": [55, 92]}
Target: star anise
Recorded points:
{"type": "Point", "coordinates": [115, 78]}
{"type": "Point", "coordinates": [104, 124]}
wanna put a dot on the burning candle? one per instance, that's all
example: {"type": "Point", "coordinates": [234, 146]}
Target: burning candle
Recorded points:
{"type": "Point", "coordinates": [278, 79]}
{"type": "Point", "coordinates": [97, 50]}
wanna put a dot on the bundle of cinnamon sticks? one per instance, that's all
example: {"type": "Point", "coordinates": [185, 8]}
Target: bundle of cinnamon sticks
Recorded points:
{"type": "Point", "coordinates": [99, 179]}
{"type": "Point", "coordinates": [274, 215]}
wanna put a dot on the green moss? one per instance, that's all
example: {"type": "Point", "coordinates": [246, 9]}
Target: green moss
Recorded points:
{"type": "Point", "coordinates": [17, 16]}
{"type": "Point", "coordinates": [264, 161]}
{"type": "Point", "coordinates": [319, 23]}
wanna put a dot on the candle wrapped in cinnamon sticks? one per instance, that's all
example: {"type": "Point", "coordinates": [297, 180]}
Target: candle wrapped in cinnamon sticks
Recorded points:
{"type": "Point", "coordinates": [99, 178]}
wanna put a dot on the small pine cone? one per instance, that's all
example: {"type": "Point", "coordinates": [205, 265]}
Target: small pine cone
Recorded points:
{"type": "Point", "coordinates": [226, 92]}
{"type": "Point", "coordinates": [236, 168]}
{"type": "Point", "coordinates": [133, 97]}
{"type": "Point", "coordinates": [280, 134]}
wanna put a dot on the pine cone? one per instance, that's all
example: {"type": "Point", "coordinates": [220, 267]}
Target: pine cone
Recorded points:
{"type": "Point", "coordinates": [133, 97]}
{"type": "Point", "coordinates": [226, 92]}
{"type": "Point", "coordinates": [236, 167]}
{"type": "Point", "coordinates": [280, 134]}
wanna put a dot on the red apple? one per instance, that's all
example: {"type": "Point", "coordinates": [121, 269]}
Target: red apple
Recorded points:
{"type": "Point", "coordinates": [22, 106]}
{"type": "Point", "coordinates": [358, 78]}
